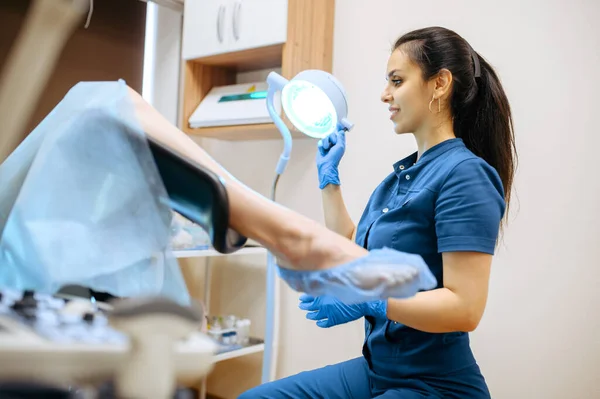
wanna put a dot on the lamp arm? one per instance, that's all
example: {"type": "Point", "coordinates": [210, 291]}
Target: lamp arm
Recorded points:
{"type": "Point", "coordinates": [283, 129]}
{"type": "Point", "coordinates": [276, 83]}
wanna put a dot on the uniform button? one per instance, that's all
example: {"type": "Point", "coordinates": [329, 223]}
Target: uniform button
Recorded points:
{"type": "Point", "coordinates": [385, 210]}
{"type": "Point", "coordinates": [407, 177]}
{"type": "Point", "coordinates": [401, 167]}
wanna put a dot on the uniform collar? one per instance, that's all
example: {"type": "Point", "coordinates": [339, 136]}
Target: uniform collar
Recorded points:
{"type": "Point", "coordinates": [428, 155]}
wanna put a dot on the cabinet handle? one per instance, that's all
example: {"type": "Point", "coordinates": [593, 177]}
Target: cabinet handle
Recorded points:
{"type": "Point", "coordinates": [236, 20]}
{"type": "Point", "coordinates": [220, 16]}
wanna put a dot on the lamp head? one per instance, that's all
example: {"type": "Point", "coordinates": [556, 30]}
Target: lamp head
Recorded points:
{"type": "Point", "coordinates": [314, 102]}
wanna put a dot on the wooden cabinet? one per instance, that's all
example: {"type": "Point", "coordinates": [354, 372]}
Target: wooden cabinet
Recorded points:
{"type": "Point", "coordinates": [292, 35]}
{"type": "Point", "coordinates": [194, 283]}
{"type": "Point", "coordinates": [213, 27]}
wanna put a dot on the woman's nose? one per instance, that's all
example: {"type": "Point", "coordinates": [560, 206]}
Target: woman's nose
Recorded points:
{"type": "Point", "coordinates": [386, 97]}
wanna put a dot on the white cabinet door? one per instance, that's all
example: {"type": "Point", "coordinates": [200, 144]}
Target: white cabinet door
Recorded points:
{"type": "Point", "coordinates": [206, 28]}
{"type": "Point", "coordinates": [213, 27]}
{"type": "Point", "coordinates": [257, 23]}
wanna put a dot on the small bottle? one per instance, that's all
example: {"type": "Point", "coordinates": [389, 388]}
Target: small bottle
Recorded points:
{"type": "Point", "coordinates": [243, 331]}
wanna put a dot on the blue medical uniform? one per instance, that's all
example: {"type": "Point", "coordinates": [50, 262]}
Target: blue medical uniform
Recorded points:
{"type": "Point", "coordinates": [449, 200]}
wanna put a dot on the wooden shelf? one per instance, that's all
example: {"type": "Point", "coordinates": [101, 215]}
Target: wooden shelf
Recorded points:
{"type": "Point", "coordinates": [199, 253]}
{"type": "Point", "coordinates": [248, 350]}
{"type": "Point", "coordinates": [246, 60]}
{"type": "Point", "coordinates": [262, 131]}
{"type": "Point", "coordinates": [309, 45]}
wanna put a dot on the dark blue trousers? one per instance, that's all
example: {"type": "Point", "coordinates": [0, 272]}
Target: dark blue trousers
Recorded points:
{"type": "Point", "coordinates": [354, 380]}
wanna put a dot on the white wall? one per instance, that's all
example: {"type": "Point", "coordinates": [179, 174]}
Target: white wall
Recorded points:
{"type": "Point", "coordinates": [539, 337]}
{"type": "Point", "coordinates": [165, 64]}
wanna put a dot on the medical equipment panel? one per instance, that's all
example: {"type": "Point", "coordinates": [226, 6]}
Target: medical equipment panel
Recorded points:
{"type": "Point", "coordinates": [239, 104]}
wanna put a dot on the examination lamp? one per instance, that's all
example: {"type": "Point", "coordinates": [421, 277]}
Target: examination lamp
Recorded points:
{"type": "Point", "coordinates": [314, 102]}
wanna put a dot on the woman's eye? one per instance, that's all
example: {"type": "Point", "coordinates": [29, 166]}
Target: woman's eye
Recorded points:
{"type": "Point", "coordinates": [396, 82]}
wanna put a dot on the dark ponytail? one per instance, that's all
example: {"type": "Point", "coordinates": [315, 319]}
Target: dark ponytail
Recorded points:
{"type": "Point", "coordinates": [480, 109]}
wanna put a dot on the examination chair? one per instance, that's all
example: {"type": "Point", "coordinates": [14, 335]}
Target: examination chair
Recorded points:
{"type": "Point", "coordinates": [37, 365]}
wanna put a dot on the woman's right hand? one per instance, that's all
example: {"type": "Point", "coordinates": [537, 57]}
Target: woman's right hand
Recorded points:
{"type": "Point", "coordinates": [328, 311]}
{"type": "Point", "coordinates": [330, 151]}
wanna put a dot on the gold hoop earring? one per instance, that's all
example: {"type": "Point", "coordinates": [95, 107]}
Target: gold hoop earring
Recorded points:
{"type": "Point", "coordinates": [439, 104]}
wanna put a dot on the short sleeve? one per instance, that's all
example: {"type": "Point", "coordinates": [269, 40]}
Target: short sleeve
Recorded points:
{"type": "Point", "coordinates": [469, 208]}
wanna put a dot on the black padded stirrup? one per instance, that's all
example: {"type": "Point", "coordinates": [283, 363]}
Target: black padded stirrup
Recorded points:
{"type": "Point", "coordinates": [197, 194]}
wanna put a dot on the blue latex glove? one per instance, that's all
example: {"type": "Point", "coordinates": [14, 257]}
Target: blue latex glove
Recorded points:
{"type": "Point", "coordinates": [329, 312]}
{"type": "Point", "coordinates": [382, 273]}
{"type": "Point", "coordinates": [329, 154]}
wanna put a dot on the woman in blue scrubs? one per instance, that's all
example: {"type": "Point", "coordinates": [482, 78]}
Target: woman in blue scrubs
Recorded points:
{"type": "Point", "coordinates": [446, 203]}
